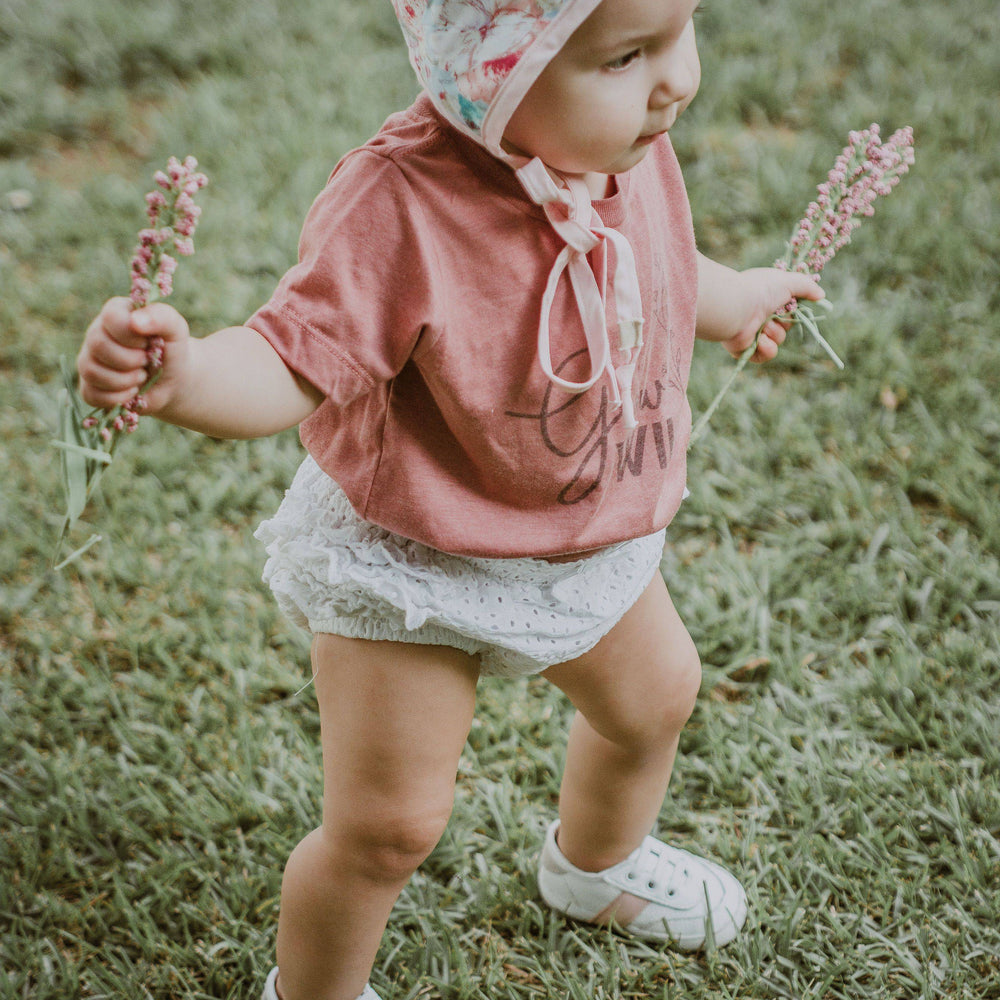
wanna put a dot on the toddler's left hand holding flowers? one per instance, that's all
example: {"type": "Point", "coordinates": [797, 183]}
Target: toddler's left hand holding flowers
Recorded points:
{"type": "Point", "coordinates": [867, 168]}
{"type": "Point", "coordinates": [768, 296]}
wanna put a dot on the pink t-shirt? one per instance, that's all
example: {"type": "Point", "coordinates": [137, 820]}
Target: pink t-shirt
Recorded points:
{"type": "Point", "coordinates": [414, 308]}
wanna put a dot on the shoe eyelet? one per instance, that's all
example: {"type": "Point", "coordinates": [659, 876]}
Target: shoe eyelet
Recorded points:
{"type": "Point", "coordinates": [650, 885]}
{"type": "Point", "coordinates": [630, 876]}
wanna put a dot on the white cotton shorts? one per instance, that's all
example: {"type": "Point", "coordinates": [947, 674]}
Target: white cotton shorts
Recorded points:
{"type": "Point", "coordinates": [332, 571]}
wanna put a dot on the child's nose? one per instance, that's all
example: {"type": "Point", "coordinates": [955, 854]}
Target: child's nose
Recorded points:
{"type": "Point", "coordinates": [677, 76]}
{"type": "Point", "coordinates": [676, 82]}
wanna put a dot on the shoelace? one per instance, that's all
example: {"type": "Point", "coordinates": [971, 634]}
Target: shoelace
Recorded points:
{"type": "Point", "coordinates": [655, 868]}
{"type": "Point", "coordinates": [566, 209]}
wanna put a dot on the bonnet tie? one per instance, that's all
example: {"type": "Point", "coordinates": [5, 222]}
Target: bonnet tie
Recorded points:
{"type": "Point", "coordinates": [566, 207]}
{"type": "Point", "coordinates": [477, 61]}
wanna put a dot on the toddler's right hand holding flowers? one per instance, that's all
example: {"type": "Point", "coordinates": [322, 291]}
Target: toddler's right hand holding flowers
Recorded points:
{"type": "Point", "coordinates": [136, 355]}
{"type": "Point", "coordinates": [114, 362]}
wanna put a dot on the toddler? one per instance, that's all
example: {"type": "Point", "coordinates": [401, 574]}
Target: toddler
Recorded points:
{"type": "Point", "coordinates": [486, 341]}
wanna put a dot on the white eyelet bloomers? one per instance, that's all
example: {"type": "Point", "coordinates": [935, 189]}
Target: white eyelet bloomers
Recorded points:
{"type": "Point", "coordinates": [332, 571]}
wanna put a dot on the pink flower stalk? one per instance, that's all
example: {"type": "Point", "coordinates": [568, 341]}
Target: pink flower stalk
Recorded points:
{"type": "Point", "coordinates": [173, 217]}
{"type": "Point", "coordinates": [88, 439]}
{"type": "Point", "coordinates": [866, 169]}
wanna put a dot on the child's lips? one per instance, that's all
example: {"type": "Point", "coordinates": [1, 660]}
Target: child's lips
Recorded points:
{"type": "Point", "coordinates": [666, 123]}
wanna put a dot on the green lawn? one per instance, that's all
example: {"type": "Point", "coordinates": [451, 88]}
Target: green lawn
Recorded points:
{"type": "Point", "coordinates": [837, 561]}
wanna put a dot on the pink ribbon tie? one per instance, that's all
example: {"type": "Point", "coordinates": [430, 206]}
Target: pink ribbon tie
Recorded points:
{"type": "Point", "coordinates": [565, 208]}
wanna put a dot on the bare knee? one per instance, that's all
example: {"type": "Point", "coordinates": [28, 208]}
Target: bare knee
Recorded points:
{"type": "Point", "coordinates": [385, 845]}
{"type": "Point", "coordinates": [685, 684]}
{"type": "Point", "coordinates": [655, 717]}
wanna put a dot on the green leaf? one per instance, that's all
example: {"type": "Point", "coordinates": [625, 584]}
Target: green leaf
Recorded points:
{"type": "Point", "coordinates": [69, 384]}
{"type": "Point", "coordinates": [75, 464]}
{"type": "Point", "coordinates": [73, 556]}
{"type": "Point", "coordinates": [92, 453]}
{"type": "Point", "coordinates": [805, 316]}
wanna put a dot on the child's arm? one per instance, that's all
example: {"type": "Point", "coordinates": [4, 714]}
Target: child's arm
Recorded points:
{"type": "Point", "coordinates": [734, 305]}
{"type": "Point", "coordinates": [231, 384]}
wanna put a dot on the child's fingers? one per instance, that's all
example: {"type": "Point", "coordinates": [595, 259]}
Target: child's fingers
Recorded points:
{"type": "Point", "coordinates": [105, 388]}
{"type": "Point", "coordinates": [112, 360]}
{"type": "Point", "coordinates": [109, 343]}
{"type": "Point", "coordinates": [767, 347]}
{"type": "Point", "coordinates": [802, 286]}
{"type": "Point", "coordinates": [113, 363]}
{"type": "Point", "coordinates": [159, 320]}
{"type": "Point", "coordinates": [109, 373]}
{"type": "Point", "coordinates": [775, 331]}
{"type": "Point", "coordinates": [107, 353]}
{"type": "Point", "coordinates": [114, 322]}
{"type": "Point", "coordinates": [772, 336]}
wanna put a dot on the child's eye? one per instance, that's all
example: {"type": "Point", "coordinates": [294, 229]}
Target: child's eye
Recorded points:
{"type": "Point", "coordinates": [622, 61]}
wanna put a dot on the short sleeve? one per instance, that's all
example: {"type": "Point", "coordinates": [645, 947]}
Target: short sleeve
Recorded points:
{"type": "Point", "coordinates": [349, 314]}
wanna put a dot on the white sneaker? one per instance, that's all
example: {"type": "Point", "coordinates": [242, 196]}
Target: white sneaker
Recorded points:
{"type": "Point", "coordinates": [657, 892]}
{"type": "Point", "coordinates": [271, 991]}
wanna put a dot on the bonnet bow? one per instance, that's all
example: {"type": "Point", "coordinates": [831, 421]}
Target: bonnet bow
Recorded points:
{"type": "Point", "coordinates": [477, 59]}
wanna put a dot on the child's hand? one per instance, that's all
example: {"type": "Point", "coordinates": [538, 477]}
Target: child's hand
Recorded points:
{"type": "Point", "coordinates": [762, 292]}
{"type": "Point", "coordinates": [112, 363]}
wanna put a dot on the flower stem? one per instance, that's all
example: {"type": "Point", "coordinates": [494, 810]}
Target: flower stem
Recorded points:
{"type": "Point", "coordinates": [702, 424]}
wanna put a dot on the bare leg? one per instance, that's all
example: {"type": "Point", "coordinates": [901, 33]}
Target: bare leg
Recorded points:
{"type": "Point", "coordinates": [394, 719]}
{"type": "Point", "coordinates": [634, 692]}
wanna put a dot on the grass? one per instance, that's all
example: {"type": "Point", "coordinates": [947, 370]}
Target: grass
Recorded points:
{"type": "Point", "coordinates": [837, 562]}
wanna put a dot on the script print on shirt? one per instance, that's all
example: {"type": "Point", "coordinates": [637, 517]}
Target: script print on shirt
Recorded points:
{"type": "Point", "coordinates": [598, 457]}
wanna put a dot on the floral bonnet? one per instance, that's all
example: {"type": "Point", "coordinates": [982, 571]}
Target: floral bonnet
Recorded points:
{"type": "Point", "coordinates": [477, 59]}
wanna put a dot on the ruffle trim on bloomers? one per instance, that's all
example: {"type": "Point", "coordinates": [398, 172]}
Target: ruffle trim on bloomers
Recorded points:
{"type": "Point", "coordinates": [332, 571]}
